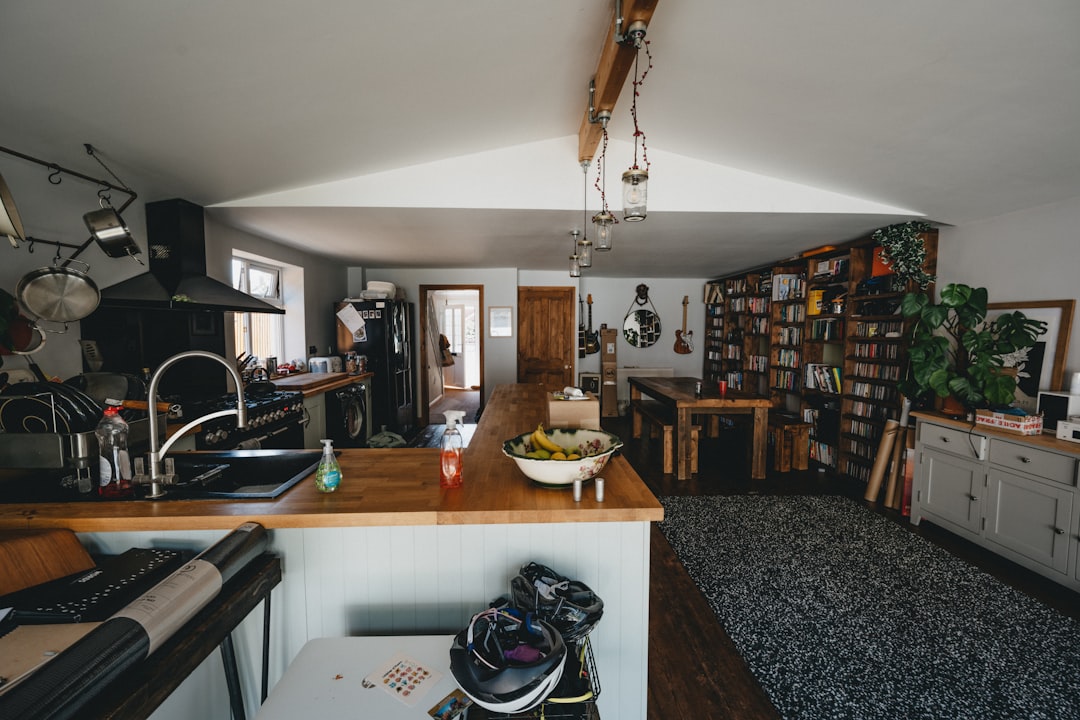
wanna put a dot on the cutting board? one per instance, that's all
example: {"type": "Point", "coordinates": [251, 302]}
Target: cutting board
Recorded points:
{"type": "Point", "coordinates": [307, 381]}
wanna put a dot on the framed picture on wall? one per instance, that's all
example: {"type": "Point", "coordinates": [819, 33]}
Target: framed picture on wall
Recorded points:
{"type": "Point", "coordinates": [1041, 367]}
{"type": "Point", "coordinates": [501, 322]}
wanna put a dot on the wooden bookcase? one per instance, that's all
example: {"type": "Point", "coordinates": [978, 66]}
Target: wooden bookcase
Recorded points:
{"type": "Point", "coordinates": [713, 344]}
{"type": "Point", "coordinates": [821, 336]}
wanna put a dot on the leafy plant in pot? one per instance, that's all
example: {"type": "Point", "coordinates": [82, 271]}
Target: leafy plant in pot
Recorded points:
{"type": "Point", "coordinates": [956, 353]}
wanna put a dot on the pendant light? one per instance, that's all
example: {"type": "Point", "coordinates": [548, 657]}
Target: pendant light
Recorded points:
{"type": "Point", "coordinates": [636, 179]}
{"type": "Point", "coordinates": [584, 245]}
{"type": "Point", "coordinates": [575, 267]}
{"type": "Point", "coordinates": [604, 221]}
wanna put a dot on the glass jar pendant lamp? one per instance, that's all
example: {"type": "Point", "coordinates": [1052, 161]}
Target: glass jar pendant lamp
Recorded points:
{"type": "Point", "coordinates": [635, 194]}
{"type": "Point", "coordinates": [584, 245]}
{"type": "Point", "coordinates": [575, 265]}
{"type": "Point", "coordinates": [603, 221]}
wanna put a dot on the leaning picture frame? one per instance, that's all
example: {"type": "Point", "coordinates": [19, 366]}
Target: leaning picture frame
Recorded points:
{"type": "Point", "coordinates": [500, 321]}
{"type": "Point", "coordinates": [1043, 366]}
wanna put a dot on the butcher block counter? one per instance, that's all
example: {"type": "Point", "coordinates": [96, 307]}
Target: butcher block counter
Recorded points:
{"type": "Point", "coordinates": [383, 487]}
{"type": "Point", "coordinates": [392, 553]}
{"type": "Point", "coordinates": [317, 383]}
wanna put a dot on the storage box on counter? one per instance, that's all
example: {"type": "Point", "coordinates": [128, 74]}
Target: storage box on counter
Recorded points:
{"type": "Point", "coordinates": [1023, 424]}
{"type": "Point", "coordinates": [573, 413]}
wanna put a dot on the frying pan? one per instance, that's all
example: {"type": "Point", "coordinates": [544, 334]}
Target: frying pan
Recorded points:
{"type": "Point", "coordinates": [58, 293]}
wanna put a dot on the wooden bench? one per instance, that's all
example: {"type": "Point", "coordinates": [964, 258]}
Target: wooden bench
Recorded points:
{"type": "Point", "coordinates": [790, 439]}
{"type": "Point", "coordinates": [662, 422]}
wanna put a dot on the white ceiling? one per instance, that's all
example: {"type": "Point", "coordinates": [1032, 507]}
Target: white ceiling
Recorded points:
{"type": "Point", "coordinates": [433, 134]}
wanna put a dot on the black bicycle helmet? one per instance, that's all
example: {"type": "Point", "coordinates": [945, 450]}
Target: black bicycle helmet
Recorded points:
{"type": "Point", "coordinates": [507, 660]}
{"type": "Point", "coordinates": [569, 605]}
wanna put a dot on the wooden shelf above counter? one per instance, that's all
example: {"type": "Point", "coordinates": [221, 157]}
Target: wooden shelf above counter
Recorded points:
{"type": "Point", "coordinates": [383, 487]}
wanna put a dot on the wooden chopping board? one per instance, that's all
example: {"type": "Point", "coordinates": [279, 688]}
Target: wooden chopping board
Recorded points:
{"type": "Point", "coordinates": [306, 381]}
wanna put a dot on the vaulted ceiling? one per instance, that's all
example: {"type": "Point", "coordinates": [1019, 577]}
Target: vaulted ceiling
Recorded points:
{"type": "Point", "coordinates": [445, 134]}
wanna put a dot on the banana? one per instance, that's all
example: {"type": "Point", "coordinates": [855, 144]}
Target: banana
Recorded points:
{"type": "Point", "coordinates": [540, 438]}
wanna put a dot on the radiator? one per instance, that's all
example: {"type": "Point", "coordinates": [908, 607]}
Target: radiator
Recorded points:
{"type": "Point", "coordinates": [626, 372]}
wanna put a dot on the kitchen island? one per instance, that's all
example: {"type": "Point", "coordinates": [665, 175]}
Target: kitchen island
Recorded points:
{"type": "Point", "coordinates": [392, 553]}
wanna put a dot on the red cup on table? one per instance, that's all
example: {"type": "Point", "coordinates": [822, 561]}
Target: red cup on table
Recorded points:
{"type": "Point", "coordinates": [722, 386]}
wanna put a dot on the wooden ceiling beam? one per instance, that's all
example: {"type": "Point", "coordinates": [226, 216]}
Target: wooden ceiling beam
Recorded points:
{"type": "Point", "coordinates": [615, 64]}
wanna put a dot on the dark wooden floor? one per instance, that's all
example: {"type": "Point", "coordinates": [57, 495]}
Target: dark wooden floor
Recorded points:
{"type": "Point", "coordinates": [694, 670]}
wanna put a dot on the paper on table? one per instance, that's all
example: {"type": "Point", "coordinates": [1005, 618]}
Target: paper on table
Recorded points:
{"type": "Point", "coordinates": [406, 679]}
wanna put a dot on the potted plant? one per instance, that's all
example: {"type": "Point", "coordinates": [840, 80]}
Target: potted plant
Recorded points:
{"type": "Point", "coordinates": [956, 353]}
{"type": "Point", "coordinates": [904, 251]}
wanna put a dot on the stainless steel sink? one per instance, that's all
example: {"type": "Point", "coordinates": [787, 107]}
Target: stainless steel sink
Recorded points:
{"type": "Point", "coordinates": [240, 473]}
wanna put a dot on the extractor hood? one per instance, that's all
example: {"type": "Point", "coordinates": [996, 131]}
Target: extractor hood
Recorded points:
{"type": "Point", "coordinates": [177, 277]}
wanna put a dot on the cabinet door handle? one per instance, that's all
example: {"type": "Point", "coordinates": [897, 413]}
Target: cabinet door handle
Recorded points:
{"type": "Point", "coordinates": [1025, 459]}
{"type": "Point", "coordinates": [944, 439]}
{"type": "Point", "coordinates": [1059, 531]}
{"type": "Point", "coordinates": [974, 498]}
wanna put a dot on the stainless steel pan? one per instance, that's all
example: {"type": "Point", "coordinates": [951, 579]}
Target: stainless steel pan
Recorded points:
{"type": "Point", "coordinates": [58, 293]}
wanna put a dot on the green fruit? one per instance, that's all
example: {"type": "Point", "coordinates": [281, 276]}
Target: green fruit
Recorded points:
{"type": "Point", "coordinates": [542, 454]}
{"type": "Point", "coordinates": [534, 455]}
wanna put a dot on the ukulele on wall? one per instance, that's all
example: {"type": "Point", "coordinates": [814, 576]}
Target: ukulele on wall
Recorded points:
{"type": "Point", "coordinates": [592, 339]}
{"type": "Point", "coordinates": [684, 339]}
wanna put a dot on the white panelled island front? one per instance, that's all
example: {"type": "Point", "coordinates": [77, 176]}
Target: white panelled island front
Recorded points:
{"type": "Point", "coordinates": [392, 553]}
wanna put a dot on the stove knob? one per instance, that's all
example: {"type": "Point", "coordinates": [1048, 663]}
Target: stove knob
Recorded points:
{"type": "Point", "coordinates": [255, 421]}
{"type": "Point", "coordinates": [223, 433]}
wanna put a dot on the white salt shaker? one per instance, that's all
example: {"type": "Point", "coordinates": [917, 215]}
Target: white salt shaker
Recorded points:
{"type": "Point", "coordinates": [577, 490]}
{"type": "Point", "coordinates": [599, 489]}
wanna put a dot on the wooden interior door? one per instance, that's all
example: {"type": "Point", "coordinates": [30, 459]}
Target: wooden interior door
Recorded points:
{"type": "Point", "coordinates": [546, 336]}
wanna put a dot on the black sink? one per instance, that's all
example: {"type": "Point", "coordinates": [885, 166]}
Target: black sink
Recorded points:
{"type": "Point", "coordinates": [240, 473]}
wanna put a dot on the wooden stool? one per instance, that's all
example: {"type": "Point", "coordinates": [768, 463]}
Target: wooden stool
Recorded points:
{"type": "Point", "coordinates": [661, 422]}
{"type": "Point", "coordinates": [791, 443]}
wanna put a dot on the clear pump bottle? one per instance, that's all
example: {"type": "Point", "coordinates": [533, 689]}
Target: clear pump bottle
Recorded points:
{"type": "Point", "coordinates": [114, 462]}
{"type": "Point", "coordinates": [452, 451]}
{"type": "Point", "coordinates": [328, 474]}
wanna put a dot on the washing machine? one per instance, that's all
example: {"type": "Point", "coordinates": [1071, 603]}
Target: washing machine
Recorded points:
{"type": "Point", "coordinates": [348, 415]}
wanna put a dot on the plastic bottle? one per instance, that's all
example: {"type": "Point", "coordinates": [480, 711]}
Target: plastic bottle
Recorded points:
{"type": "Point", "coordinates": [328, 474]}
{"type": "Point", "coordinates": [452, 451]}
{"type": "Point", "coordinates": [114, 463]}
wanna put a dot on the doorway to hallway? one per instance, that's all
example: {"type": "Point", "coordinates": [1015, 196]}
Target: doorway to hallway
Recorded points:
{"type": "Point", "coordinates": [452, 351]}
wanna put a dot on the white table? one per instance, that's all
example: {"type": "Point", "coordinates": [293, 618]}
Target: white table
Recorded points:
{"type": "Point", "coordinates": [325, 679]}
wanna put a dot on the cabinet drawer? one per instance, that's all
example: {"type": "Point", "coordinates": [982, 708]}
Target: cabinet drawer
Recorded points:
{"type": "Point", "coordinates": [1034, 461]}
{"type": "Point", "coordinates": [958, 442]}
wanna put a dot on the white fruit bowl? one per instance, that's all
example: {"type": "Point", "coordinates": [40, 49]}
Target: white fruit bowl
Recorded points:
{"type": "Point", "coordinates": [594, 446]}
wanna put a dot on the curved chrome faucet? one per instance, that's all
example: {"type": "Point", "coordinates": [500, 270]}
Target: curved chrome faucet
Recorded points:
{"type": "Point", "coordinates": [157, 479]}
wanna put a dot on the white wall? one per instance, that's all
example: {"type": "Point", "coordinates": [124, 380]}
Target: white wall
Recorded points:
{"type": "Point", "coordinates": [324, 281]}
{"type": "Point", "coordinates": [1027, 255]}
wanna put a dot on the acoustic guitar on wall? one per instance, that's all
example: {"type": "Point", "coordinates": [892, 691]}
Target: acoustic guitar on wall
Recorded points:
{"type": "Point", "coordinates": [592, 339]}
{"type": "Point", "coordinates": [684, 339]}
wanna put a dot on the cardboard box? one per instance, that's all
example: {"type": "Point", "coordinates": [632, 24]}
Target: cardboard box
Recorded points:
{"type": "Point", "coordinates": [573, 413]}
{"type": "Point", "coordinates": [1022, 424]}
{"type": "Point", "coordinates": [607, 345]}
{"type": "Point", "coordinates": [609, 390]}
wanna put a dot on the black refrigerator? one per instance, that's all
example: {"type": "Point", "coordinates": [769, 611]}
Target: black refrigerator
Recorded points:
{"type": "Point", "coordinates": [382, 331]}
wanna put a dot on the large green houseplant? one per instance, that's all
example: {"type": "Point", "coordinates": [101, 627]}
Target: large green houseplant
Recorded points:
{"type": "Point", "coordinates": [956, 352]}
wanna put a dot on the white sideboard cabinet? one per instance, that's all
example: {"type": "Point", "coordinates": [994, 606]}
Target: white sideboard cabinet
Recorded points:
{"type": "Point", "coordinates": [1015, 495]}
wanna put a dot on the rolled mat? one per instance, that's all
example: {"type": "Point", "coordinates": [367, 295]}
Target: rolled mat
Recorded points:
{"type": "Point", "coordinates": [884, 453]}
{"type": "Point", "coordinates": [67, 684]}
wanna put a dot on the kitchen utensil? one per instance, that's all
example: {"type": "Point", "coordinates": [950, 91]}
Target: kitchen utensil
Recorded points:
{"type": "Point", "coordinates": [10, 223]}
{"type": "Point", "coordinates": [58, 293]}
{"type": "Point", "coordinates": [32, 413]}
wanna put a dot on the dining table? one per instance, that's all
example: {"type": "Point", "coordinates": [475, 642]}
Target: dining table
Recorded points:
{"type": "Point", "coordinates": [689, 396]}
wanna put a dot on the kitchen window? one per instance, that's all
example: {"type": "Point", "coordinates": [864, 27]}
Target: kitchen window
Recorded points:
{"type": "Point", "coordinates": [259, 334]}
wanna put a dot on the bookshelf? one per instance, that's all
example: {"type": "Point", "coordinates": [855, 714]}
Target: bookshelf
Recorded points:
{"type": "Point", "coordinates": [821, 336]}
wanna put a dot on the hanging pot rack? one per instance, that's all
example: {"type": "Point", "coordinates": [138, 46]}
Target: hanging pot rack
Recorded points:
{"type": "Point", "coordinates": [105, 187]}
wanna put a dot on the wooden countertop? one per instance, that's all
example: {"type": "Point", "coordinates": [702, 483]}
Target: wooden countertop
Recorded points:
{"type": "Point", "coordinates": [317, 383]}
{"type": "Point", "coordinates": [384, 487]}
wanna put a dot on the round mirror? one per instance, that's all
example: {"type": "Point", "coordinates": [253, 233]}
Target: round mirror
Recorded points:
{"type": "Point", "coordinates": [641, 328]}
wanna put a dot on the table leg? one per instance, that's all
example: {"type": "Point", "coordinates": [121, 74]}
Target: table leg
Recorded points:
{"type": "Point", "coordinates": [760, 443]}
{"type": "Point", "coordinates": [684, 442]}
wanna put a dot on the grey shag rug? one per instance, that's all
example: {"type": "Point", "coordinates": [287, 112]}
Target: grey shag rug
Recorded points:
{"type": "Point", "coordinates": [840, 613]}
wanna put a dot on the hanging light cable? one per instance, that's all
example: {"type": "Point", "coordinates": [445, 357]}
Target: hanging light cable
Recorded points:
{"type": "Point", "coordinates": [603, 220]}
{"type": "Point", "coordinates": [584, 245]}
{"type": "Point", "coordinates": [636, 179]}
